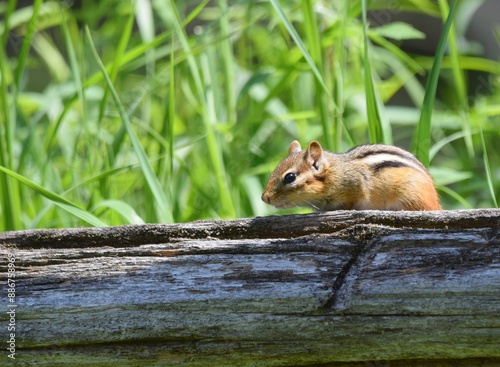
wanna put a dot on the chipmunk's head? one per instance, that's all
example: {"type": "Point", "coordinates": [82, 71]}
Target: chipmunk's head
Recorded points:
{"type": "Point", "coordinates": [298, 180]}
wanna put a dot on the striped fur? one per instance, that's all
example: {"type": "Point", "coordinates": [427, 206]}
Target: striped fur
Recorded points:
{"type": "Point", "coordinates": [380, 156]}
{"type": "Point", "coordinates": [365, 177]}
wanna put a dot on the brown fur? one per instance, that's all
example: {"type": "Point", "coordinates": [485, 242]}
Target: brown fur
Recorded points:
{"type": "Point", "coordinates": [366, 177]}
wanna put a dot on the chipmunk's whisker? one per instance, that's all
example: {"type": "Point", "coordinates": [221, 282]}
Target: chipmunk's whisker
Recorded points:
{"type": "Point", "coordinates": [315, 207]}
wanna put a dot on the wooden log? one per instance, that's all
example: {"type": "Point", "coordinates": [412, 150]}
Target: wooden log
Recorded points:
{"type": "Point", "coordinates": [347, 288]}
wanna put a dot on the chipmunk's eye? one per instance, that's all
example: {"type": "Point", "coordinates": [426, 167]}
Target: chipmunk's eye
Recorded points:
{"type": "Point", "coordinates": [289, 178]}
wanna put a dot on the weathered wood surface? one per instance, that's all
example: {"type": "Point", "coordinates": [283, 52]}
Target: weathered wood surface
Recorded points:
{"type": "Point", "coordinates": [328, 289]}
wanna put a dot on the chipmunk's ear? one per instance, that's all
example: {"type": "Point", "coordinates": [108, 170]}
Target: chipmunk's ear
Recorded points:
{"type": "Point", "coordinates": [314, 154]}
{"type": "Point", "coordinates": [294, 147]}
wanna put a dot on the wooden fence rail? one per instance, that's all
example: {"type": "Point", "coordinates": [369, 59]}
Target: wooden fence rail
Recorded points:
{"type": "Point", "coordinates": [347, 288]}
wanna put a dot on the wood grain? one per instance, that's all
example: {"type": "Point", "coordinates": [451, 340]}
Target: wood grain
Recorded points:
{"type": "Point", "coordinates": [327, 289]}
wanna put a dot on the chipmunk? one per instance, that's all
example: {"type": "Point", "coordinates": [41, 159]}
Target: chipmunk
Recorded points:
{"type": "Point", "coordinates": [380, 177]}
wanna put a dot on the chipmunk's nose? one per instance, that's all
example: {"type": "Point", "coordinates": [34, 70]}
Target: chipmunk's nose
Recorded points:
{"type": "Point", "coordinates": [266, 198]}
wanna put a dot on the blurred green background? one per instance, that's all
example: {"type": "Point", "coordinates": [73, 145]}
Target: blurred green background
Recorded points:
{"type": "Point", "coordinates": [115, 112]}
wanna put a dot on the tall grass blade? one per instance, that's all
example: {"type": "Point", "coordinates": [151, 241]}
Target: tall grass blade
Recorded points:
{"type": "Point", "coordinates": [339, 71]}
{"type": "Point", "coordinates": [10, 200]}
{"type": "Point", "coordinates": [113, 72]}
{"type": "Point", "coordinates": [145, 21]}
{"type": "Point", "coordinates": [26, 45]}
{"type": "Point", "coordinates": [214, 146]}
{"type": "Point", "coordinates": [162, 202]}
{"type": "Point", "coordinates": [373, 103]}
{"type": "Point", "coordinates": [487, 168]}
{"type": "Point", "coordinates": [314, 41]}
{"type": "Point", "coordinates": [422, 140]}
{"type": "Point", "coordinates": [458, 73]}
{"type": "Point", "coordinates": [171, 114]}
{"type": "Point", "coordinates": [73, 62]}
{"type": "Point", "coordinates": [228, 63]}
{"type": "Point", "coordinates": [459, 77]}
{"type": "Point", "coordinates": [56, 199]}
{"type": "Point", "coordinates": [169, 123]}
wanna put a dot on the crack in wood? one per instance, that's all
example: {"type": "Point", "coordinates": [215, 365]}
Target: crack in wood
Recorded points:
{"type": "Point", "coordinates": [363, 243]}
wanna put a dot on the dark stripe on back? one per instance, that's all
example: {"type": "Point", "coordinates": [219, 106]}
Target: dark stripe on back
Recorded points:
{"type": "Point", "coordinates": [383, 150]}
{"type": "Point", "coordinates": [389, 164]}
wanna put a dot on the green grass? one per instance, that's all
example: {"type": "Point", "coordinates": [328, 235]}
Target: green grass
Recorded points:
{"type": "Point", "coordinates": [136, 112]}
{"type": "Point", "coordinates": [422, 140]}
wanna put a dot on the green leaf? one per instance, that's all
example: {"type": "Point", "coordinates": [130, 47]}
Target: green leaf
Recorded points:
{"type": "Point", "coordinates": [122, 208]}
{"type": "Point", "coordinates": [447, 176]}
{"type": "Point", "coordinates": [399, 31]}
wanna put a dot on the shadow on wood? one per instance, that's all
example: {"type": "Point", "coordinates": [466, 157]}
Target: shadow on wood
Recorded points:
{"type": "Point", "coordinates": [340, 288]}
